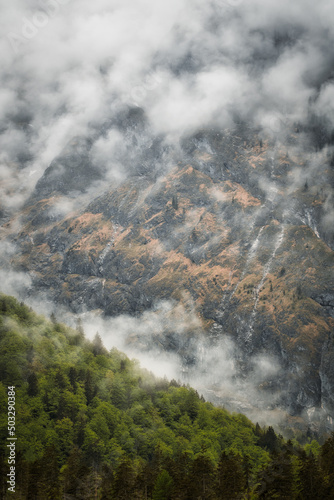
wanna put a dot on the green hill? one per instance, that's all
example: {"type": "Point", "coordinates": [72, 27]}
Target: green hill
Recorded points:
{"type": "Point", "coordinates": [92, 424]}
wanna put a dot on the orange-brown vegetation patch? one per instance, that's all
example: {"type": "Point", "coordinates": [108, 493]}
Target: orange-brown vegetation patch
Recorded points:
{"type": "Point", "coordinates": [203, 156]}
{"type": "Point", "coordinates": [255, 160]}
{"type": "Point", "coordinates": [257, 154]}
{"type": "Point", "coordinates": [240, 195]}
{"type": "Point", "coordinates": [189, 171]}
{"type": "Point", "coordinates": [208, 221]}
{"type": "Point", "coordinates": [153, 245]}
{"type": "Point", "coordinates": [86, 220]}
{"type": "Point", "coordinates": [158, 218]}
{"type": "Point", "coordinates": [95, 233]}
{"type": "Point", "coordinates": [284, 160]}
{"type": "Point", "coordinates": [42, 249]}
{"type": "Point", "coordinates": [312, 330]}
{"type": "Point", "coordinates": [119, 234]}
{"type": "Point", "coordinates": [56, 260]}
{"type": "Point", "coordinates": [219, 273]}
{"type": "Point", "coordinates": [194, 216]}
{"type": "Point", "coordinates": [131, 250]}
{"type": "Point", "coordinates": [65, 293]}
{"type": "Point", "coordinates": [177, 261]}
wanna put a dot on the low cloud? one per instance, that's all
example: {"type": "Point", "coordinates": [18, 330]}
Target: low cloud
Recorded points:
{"type": "Point", "coordinates": [66, 66]}
{"type": "Point", "coordinates": [15, 283]}
{"type": "Point", "coordinates": [132, 77]}
{"type": "Point", "coordinates": [168, 340]}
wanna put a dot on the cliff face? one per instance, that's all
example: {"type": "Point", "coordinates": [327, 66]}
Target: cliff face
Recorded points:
{"type": "Point", "coordinates": [228, 230]}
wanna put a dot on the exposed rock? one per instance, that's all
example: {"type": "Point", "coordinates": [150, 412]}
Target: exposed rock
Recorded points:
{"type": "Point", "coordinates": [251, 255]}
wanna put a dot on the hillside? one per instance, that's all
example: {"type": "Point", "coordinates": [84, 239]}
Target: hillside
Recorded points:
{"type": "Point", "coordinates": [92, 424]}
{"type": "Point", "coordinates": [218, 228]}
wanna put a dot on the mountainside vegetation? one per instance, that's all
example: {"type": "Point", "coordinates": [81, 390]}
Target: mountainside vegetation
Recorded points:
{"type": "Point", "coordinates": [218, 231]}
{"type": "Point", "coordinates": [91, 424]}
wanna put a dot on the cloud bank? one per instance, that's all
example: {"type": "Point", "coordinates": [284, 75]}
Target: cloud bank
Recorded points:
{"type": "Point", "coordinates": [68, 67]}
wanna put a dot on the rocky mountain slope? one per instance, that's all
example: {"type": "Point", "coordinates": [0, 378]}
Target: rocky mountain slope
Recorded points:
{"type": "Point", "coordinates": [230, 224]}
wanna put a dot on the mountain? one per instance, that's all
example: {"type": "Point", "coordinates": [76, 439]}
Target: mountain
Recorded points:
{"type": "Point", "coordinates": [230, 225]}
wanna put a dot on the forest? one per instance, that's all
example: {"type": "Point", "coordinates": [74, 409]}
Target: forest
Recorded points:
{"type": "Point", "coordinates": [92, 424]}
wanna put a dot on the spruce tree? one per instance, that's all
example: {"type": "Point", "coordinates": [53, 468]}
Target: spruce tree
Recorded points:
{"type": "Point", "coordinates": [124, 481]}
{"type": "Point", "coordinates": [310, 478]}
{"type": "Point", "coordinates": [327, 464]}
{"type": "Point", "coordinates": [201, 484]}
{"type": "Point", "coordinates": [163, 487]}
{"type": "Point", "coordinates": [230, 477]}
{"type": "Point", "coordinates": [277, 479]}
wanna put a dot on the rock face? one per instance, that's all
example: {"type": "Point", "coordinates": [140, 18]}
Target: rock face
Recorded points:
{"type": "Point", "coordinates": [224, 230]}
{"type": "Point", "coordinates": [71, 171]}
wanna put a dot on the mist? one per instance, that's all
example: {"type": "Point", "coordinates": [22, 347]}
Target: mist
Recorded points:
{"type": "Point", "coordinates": [131, 79]}
{"type": "Point", "coordinates": [68, 66]}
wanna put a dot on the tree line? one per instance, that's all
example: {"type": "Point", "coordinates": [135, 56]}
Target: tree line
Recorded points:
{"type": "Point", "coordinates": [91, 424]}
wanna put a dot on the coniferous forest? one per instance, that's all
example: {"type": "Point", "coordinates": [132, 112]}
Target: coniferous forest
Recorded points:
{"type": "Point", "coordinates": [91, 424]}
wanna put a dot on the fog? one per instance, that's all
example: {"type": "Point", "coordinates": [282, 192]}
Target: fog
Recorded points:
{"type": "Point", "coordinates": [68, 65]}
{"type": "Point", "coordinates": [169, 342]}
{"type": "Point", "coordinates": [73, 68]}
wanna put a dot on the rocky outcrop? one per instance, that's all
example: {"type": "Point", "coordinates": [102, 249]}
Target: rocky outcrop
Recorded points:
{"type": "Point", "coordinates": [326, 300]}
{"type": "Point", "coordinates": [221, 229]}
{"type": "Point", "coordinates": [71, 171]}
{"type": "Point", "coordinates": [327, 376]}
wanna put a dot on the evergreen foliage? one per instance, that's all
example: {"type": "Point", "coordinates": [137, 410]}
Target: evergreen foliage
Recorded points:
{"type": "Point", "coordinates": [92, 424]}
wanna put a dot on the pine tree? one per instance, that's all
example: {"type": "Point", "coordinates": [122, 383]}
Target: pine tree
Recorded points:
{"type": "Point", "coordinates": [3, 472]}
{"type": "Point", "coordinates": [192, 404]}
{"type": "Point", "coordinates": [163, 487]}
{"type": "Point", "coordinates": [327, 464]}
{"type": "Point", "coordinates": [180, 468]}
{"type": "Point", "coordinates": [74, 472]}
{"type": "Point", "coordinates": [230, 477]}
{"type": "Point", "coordinates": [269, 440]}
{"type": "Point", "coordinates": [106, 485]}
{"type": "Point", "coordinates": [60, 380]}
{"type": "Point", "coordinates": [258, 431]}
{"type": "Point", "coordinates": [201, 483]}
{"type": "Point", "coordinates": [89, 488]}
{"type": "Point", "coordinates": [145, 480]}
{"type": "Point", "coordinates": [124, 481]}
{"type": "Point", "coordinates": [98, 347]}
{"type": "Point", "coordinates": [73, 377]}
{"type": "Point", "coordinates": [32, 385]}
{"type": "Point", "coordinates": [49, 476]}
{"type": "Point", "coordinates": [34, 475]}
{"type": "Point", "coordinates": [80, 334]}
{"type": "Point", "coordinates": [277, 479]}
{"type": "Point", "coordinates": [90, 388]}
{"type": "Point", "coordinates": [311, 482]}
{"type": "Point", "coordinates": [118, 393]}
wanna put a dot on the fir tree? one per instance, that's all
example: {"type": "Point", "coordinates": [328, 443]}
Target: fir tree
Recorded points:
{"type": "Point", "coordinates": [124, 481]}
{"type": "Point", "coordinates": [163, 487]}
{"type": "Point", "coordinates": [32, 385]}
{"type": "Point", "coordinates": [311, 482]}
{"type": "Point", "coordinates": [201, 478]}
{"type": "Point", "coordinates": [230, 477]}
